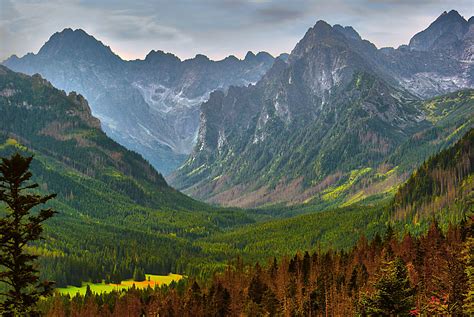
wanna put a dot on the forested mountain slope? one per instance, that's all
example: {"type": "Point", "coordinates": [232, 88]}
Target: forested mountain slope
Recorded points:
{"type": "Point", "coordinates": [115, 211]}
{"type": "Point", "coordinates": [440, 189]}
{"type": "Point", "coordinates": [384, 276]}
{"type": "Point", "coordinates": [443, 184]}
{"type": "Point", "coordinates": [342, 262]}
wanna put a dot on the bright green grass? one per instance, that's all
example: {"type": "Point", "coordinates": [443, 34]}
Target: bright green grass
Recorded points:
{"type": "Point", "coordinates": [334, 192]}
{"type": "Point", "coordinates": [151, 280]}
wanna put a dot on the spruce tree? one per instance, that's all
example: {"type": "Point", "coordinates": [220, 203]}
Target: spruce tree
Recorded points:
{"type": "Point", "coordinates": [18, 227]}
{"type": "Point", "coordinates": [394, 295]}
{"type": "Point", "coordinates": [139, 274]}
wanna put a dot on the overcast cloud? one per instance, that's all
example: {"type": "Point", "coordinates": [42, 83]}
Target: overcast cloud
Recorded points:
{"type": "Point", "coordinates": [216, 28]}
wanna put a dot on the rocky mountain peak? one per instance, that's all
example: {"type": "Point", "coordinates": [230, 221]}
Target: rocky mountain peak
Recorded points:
{"type": "Point", "coordinates": [201, 58]}
{"type": "Point", "coordinates": [249, 56]}
{"type": "Point", "coordinates": [264, 57]}
{"type": "Point", "coordinates": [321, 30]}
{"type": "Point", "coordinates": [442, 34]}
{"type": "Point", "coordinates": [452, 15]}
{"type": "Point", "coordinates": [161, 57]}
{"type": "Point", "coordinates": [348, 31]}
{"type": "Point", "coordinates": [320, 33]}
{"type": "Point", "coordinates": [76, 43]}
{"type": "Point", "coordinates": [231, 59]}
{"type": "Point", "coordinates": [151, 105]}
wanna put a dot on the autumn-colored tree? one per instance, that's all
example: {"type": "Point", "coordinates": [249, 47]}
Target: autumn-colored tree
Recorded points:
{"type": "Point", "coordinates": [193, 301]}
{"type": "Point", "coordinates": [468, 255]}
{"type": "Point", "coordinates": [219, 301]}
{"type": "Point", "coordinates": [18, 228]}
{"type": "Point", "coordinates": [257, 287]}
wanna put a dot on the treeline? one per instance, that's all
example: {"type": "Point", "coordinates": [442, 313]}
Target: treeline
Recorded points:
{"type": "Point", "coordinates": [386, 276]}
{"type": "Point", "coordinates": [441, 181]}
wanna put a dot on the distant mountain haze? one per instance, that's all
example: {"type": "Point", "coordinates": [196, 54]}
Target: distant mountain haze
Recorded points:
{"type": "Point", "coordinates": [150, 106]}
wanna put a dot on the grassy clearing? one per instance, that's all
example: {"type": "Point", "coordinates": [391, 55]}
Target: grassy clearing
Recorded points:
{"type": "Point", "coordinates": [334, 192]}
{"type": "Point", "coordinates": [151, 280]}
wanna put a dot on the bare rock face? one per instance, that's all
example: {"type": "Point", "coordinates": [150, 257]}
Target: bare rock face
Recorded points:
{"type": "Point", "coordinates": [335, 105]}
{"type": "Point", "coordinates": [441, 56]}
{"type": "Point", "coordinates": [151, 105]}
{"type": "Point", "coordinates": [444, 34]}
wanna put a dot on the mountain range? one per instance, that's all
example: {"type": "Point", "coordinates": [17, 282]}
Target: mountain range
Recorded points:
{"type": "Point", "coordinates": [150, 106]}
{"type": "Point", "coordinates": [338, 121]}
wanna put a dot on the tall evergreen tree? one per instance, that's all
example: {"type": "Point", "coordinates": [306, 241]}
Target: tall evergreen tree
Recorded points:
{"type": "Point", "coordinates": [394, 295]}
{"type": "Point", "coordinates": [139, 274]}
{"type": "Point", "coordinates": [18, 227]}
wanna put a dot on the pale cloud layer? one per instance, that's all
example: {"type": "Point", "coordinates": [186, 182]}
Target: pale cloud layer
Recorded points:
{"type": "Point", "coordinates": [216, 28]}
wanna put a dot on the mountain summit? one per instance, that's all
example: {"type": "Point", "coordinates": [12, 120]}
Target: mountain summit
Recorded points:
{"type": "Point", "coordinates": [75, 43]}
{"type": "Point", "coordinates": [446, 32]}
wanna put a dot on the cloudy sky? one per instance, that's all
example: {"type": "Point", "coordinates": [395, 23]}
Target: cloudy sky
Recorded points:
{"type": "Point", "coordinates": [216, 28]}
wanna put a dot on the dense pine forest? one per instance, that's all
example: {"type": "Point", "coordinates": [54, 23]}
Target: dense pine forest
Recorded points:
{"type": "Point", "coordinates": [391, 275]}
{"type": "Point", "coordinates": [442, 182]}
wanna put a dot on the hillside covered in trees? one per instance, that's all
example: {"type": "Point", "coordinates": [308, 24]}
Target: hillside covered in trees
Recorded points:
{"type": "Point", "coordinates": [443, 183]}
{"type": "Point", "coordinates": [116, 213]}
{"type": "Point", "coordinates": [441, 189]}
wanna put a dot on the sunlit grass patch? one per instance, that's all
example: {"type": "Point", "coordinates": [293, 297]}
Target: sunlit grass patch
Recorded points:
{"type": "Point", "coordinates": [151, 280]}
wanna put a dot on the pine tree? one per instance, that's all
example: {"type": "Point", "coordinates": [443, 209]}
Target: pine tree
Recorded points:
{"type": "Point", "coordinates": [219, 301]}
{"type": "Point", "coordinates": [19, 227]}
{"type": "Point", "coordinates": [393, 296]}
{"type": "Point", "coordinates": [257, 288]}
{"type": "Point", "coordinates": [138, 274]}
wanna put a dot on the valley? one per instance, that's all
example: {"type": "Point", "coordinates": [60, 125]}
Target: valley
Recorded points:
{"type": "Point", "coordinates": [334, 180]}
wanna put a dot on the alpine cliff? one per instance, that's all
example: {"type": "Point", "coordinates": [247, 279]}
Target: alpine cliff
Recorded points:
{"type": "Point", "coordinates": [332, 123]}
{"type": "Point", "coordinates": [150, 106]}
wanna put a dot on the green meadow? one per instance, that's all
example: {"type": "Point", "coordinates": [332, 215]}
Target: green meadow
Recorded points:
{"type": "Point", "coordinates": [151, 280]}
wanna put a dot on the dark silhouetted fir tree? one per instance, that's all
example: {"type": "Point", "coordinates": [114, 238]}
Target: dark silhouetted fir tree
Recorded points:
{"type": "Point", "coordinates": [18, 227]}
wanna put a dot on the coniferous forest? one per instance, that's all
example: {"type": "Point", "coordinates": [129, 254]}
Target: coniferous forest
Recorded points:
{"type": "Point", "coordinates": [333, 180]}
{"type": "Point", "coordinates": [391, 275]}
